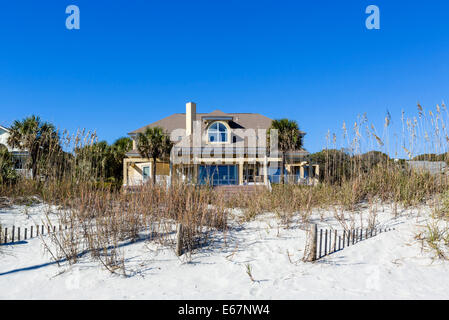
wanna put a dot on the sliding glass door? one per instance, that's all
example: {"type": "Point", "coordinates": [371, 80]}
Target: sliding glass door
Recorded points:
{"type": "Point", "coordinates": [217, 175]}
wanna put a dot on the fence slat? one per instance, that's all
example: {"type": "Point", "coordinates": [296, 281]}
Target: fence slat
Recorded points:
{"type": "Point", "coordinates": [335, 240]}
{"type": "Point", "coordinates": [325, 243]}
{"type": "Point", "coordinates": [349, 238]}
{"type": "Point", "coordinates": [6, 235]}
{"type": "Point", "coordinates": [321, 240]}
{"type": "Point", "coordinates": [13, 231]}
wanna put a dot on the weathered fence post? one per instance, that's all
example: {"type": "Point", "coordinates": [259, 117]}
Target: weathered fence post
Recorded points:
{"type": "Point", "coordinates": [311, 242]}
{"type": "Point", "coordinates": [321, 240]}
{"type": "Point", "coordinates": [18, 234]}
{"type": "Point", "coordinates": [335, 241]}
{"type": "Point", "coordinates": [6, 235]}
{"type": "Point", "coordinates": [325, 243]}
{"type": "Point", "coordinates": [179, 238]}
{"type": "Point", "coordinates": [13, 231]}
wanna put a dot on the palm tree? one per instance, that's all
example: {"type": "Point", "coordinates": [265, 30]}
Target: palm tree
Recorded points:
{"type": "Point", "coordinates": [37, 137]}
{"type": "Point", "coordinates": [289, 138]}
{"type": "Point", "coordinates": [154, 144]}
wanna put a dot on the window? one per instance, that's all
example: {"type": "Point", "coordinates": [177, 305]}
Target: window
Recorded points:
{"type": "Point", "coordinates": [218, 132]}
{"type": "Point", "coordinates": [146, 172]}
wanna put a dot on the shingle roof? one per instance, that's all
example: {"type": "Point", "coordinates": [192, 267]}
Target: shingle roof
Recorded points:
{"type": "Point", "coordinates": [239, 120]}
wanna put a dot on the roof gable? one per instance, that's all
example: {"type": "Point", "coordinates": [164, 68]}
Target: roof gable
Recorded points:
{"type": "Point", "coordinates": [3, 129]}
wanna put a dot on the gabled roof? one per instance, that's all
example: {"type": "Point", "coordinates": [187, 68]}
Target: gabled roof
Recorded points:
{"type": "Point", "coordinates": [4, 128]}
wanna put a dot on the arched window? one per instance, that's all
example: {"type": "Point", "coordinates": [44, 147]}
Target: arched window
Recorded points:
{"type": "Point", "coordinates": [218, 132]}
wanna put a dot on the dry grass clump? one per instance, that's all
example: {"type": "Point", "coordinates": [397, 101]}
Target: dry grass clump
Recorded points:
{"type": "Point", "coordinates": [101, 221]}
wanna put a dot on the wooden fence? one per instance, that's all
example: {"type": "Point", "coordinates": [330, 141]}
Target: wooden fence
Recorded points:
{"type": "Point", "coordinates": [323, 242]}
{"type": "Point", "coordinates": [15, 234]}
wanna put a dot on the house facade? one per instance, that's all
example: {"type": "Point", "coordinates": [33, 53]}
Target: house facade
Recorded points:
{"type": "Point", "coordinates": [219, 148]}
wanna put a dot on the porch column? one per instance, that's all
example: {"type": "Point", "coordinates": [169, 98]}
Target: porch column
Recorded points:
{"type": "Point", "coordinates": [195, 173]}
{"type": "Point", "coordinates": [240, 172]}
{"type": "Point", "coordinates": [171, 172]}
{"type": "Point", "coordinates": [301, 171]}
{"type": "Point", "coordinates": [265, 171]}
{"type": "Point", "coordinates": [125, 172]}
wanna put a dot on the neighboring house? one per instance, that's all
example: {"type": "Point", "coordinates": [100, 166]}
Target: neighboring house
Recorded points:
{"type": "Point", "coordinates": [433, 167]}
{"type": "Point", "coordinates": [20, 157]}
{"type": "Point", "coordinates": [217, 148]}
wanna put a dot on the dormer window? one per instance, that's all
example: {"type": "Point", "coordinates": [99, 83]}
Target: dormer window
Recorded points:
{"type": "Point", "coordinates": [217, 132]}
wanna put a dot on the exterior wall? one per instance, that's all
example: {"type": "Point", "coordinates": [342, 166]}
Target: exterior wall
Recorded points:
{"type": "Point", "coordinates": [4, 135]}
{"type": "Point", "coordinates": [134, 170]}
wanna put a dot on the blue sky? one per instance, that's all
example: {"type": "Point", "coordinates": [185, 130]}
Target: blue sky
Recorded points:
{"type": "Point", "coordinates": [134, 62]}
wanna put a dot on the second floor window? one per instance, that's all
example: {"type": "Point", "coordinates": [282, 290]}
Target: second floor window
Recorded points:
{"type": "Point", "coordinates": [218, 132]}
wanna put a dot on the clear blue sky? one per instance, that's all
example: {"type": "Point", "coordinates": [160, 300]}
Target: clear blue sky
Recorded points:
{"type": "Point", "coordinates": [134, 62]}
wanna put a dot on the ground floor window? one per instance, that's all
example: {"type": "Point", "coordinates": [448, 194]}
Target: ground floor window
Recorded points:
{"type": "Point", "coordinates": [145, 172]}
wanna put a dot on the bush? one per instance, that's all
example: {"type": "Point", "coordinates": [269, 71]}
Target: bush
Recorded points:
{"type": "Point", "coordinates": [7, 173]}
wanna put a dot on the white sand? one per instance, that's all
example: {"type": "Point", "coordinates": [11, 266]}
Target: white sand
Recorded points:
{"type": "Point", "coordinates": [391, 265]}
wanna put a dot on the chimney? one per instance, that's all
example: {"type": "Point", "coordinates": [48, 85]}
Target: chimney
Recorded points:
{"type": "Point", "coordinates": [190, 117]}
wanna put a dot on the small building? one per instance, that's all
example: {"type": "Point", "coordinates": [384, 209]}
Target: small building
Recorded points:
{"type": "Point", "coordinates": [218, 148]}
{"type": "Point", "coordinates": [433, 167]}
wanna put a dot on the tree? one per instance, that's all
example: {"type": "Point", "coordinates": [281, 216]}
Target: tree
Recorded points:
{"type": "Point", "coordinates": [371, 159]}
{"type": "Point", "coordinates": [154, 144]}
{"type": "Point", "coordinates": [39, 138]}
{"type": "Point", "coordinates": [7, 172]}
{"type": "Point", "coordinates": [335, 165]}
{"type": "Point", "coordinates": [118, 150]}
{"type": "Point", "coordinates": [290, 138]}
